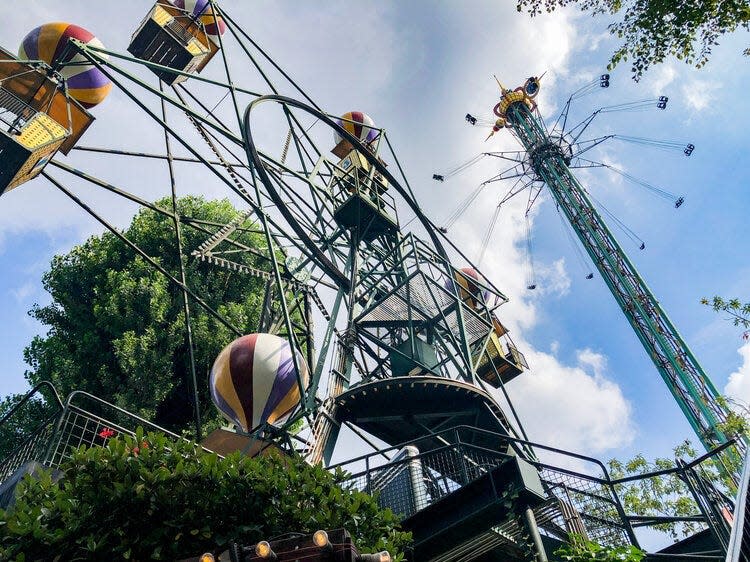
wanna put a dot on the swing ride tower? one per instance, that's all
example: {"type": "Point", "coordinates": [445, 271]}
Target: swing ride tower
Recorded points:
{"type": "Point", "coordinates": [549, 158]}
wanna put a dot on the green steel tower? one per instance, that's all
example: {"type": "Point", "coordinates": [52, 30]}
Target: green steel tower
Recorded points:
{"type": "Point", "coordinates": [549, 159]}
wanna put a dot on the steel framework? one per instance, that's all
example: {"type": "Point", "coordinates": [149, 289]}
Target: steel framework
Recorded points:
{"type": "Point", "coordinates": [548, 159]}
{"type": "Point", "coordinates": [363, 300]}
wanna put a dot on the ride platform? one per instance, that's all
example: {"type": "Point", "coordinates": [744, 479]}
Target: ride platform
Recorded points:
{"type": "Point", "coordinates": [361, 199]}
{"type": "Point", "coordinates": [404, 409]}
{"type": "Point", "coordinates": [468, 521]}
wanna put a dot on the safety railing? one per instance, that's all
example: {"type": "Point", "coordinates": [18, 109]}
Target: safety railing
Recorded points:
{"type": "Point", "coordinates": [14, 112]}
{"type": "Point", "coordinates": [19, 445]}
{"type": "Point", "coordinates": [367, 184]}
{"type": "Point", "coordinates": [739, 543]}
{"type": "Point", "coordinates": [582, 497]}
{"type": "Point", "coordinates": [83, 419]}
{"type": "Point", "coordinates": [88, 420]}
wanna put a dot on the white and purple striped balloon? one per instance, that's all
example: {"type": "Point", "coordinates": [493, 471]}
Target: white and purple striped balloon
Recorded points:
{"type": "Point", "coordinates": [48, 42]}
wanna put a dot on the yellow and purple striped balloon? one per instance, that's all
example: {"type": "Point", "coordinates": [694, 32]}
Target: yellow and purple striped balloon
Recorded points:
{"type": "Point", "coordinates": [470, 292]}
{"type": "Point", "coordinates": [203, 10]}
{"type": "Point", "coordinates": [85, 82]}
{"type": "Point", "coordinates": [253, 381]}
{"type": "Point", "coordinates": [358, 124]}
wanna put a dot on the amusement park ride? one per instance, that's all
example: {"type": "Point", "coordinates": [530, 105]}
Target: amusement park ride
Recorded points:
{"type": "Point", "coordinates": [364, 325]}
{"type": "Point", "coordinates": [548, 156]}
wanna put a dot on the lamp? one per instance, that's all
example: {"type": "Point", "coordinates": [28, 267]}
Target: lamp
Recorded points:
{"type": "Point", "coordinates": [263, 550]}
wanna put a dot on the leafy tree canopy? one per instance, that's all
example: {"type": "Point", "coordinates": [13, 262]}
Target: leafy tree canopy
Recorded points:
{"type": "Point", "coordinates": [652, 30]}
{"type": "Point", "coordinates": [668, 494]}
{"type": "Point", "coordinates": [116, 326]}
{"type": "Point", "coordinates": [146, 498]}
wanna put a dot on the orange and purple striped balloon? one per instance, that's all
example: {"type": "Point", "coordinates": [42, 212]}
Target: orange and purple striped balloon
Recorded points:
{"type": "Point", "coordinates": [203, 10]}
{"type": "Point", "coordinates": [253, 381]}
{"type": "Point", "coordinates": [85, 82]}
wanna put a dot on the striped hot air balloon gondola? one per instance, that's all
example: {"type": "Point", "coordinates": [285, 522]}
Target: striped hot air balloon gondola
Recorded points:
{"type": "Point", "coordinates": [181, 35]}
{"type": "Point", "coordinates": [86, 83]}
{"type": "Point", "coordinates": [471, 293]}
{"type": "Point", "coordinates": [358, 124]}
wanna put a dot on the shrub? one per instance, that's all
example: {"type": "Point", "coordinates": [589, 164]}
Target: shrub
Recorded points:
{"type": "Point", "coordinates": [148, 498]}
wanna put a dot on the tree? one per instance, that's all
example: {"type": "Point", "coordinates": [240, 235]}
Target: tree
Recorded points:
{"type": "Point", "coordinates": [26, 418]}
{"type": "Point", "coordinates": [581, 549]}
{"type": "Point", "coordinates": [739, 313]}
{"type": "Point", "coordinates": [652, 30]}
{"type": "Point", "coordinates": [659, 495]}
{"type": "Point", "coordinates": [116, 325]}
{"type": "Point", "coordinates": [146, 498]}
{"type": "Point", "coordinates": [668, 494]}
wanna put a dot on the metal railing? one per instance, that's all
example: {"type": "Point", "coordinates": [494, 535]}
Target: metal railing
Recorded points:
{"type": "Point", "coordinates": [367, 184]}
{"type": "Point", "coordinates": [29, 446]}
{"type": "Point", "coordinates": [582, 497]}
{"type": "Point", "coordinates": [83, 419]}
{"type": "Point", "coordinates": [14, 112]}
{"type": "Point", "coordinates": [739, 543]}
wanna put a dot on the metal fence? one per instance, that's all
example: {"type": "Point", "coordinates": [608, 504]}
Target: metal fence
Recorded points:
{"type": "Point", "coordinates": [22, 447]}
{"type": "Point", "coordinates": [82, 420]}
{"type": "Point", "coordinates": [584, 500]}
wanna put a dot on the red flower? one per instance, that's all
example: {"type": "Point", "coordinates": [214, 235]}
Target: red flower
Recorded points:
{"type": "Point", "coordinates": [106, 433]}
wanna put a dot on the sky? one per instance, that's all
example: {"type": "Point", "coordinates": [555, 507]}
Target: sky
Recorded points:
{"type": "Point", "coordinates": [417, 68]}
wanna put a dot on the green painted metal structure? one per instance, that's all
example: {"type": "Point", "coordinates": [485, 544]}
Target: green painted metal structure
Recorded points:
{"type": "Point", "coordinates": [411, 344]}
{"type": "Point", "coordinates": [691, 387]}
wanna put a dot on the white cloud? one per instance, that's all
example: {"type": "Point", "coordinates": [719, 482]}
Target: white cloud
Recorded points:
{"type": "Point", "coordinates": [595, 40]}
{"type": "Point", "coordinates": [577, 405]}
{"type": "Point", "coordinates": [659, 78]}
{"type": "Point", "coordinates": [24, 291]}
{"type": "Point", "coordinates": [573, 407]}
{"type": "Point", "coordinates": [738, 386]}
{"type": "Point", "coordinates": [377, 68]}
{"type": "Point", "coordinates": [700, 94]}
{"type": "Point", "coordinates": [552, 279]}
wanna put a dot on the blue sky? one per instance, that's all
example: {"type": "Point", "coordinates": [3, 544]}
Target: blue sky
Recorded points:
{"type": "Point", "coordinates": [417, 68]}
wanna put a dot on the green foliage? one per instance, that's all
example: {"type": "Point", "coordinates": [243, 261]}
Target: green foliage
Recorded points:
{"type": "Point", "coordinates": [736, 424]}
{"type": "Point", "coordinates": [146, 498]}
{"type": "Point", "coordinates": [116, 326]}
{"type": "Point", "coordinates": [580, 549]}
{"type": "Point", "coordinates": [739, 313]}
{"type": "Point", "coordinates": [28, 417]}
{"type": "Point", "coordinates": [652, 30]}
{"type": "Point", "coordinates": [665, 494]}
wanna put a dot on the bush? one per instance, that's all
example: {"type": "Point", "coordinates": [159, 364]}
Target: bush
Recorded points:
{"type": "Point", "coordinates": [147, 498]}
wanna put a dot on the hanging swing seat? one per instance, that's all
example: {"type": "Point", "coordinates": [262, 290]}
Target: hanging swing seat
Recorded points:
{"type": "Point", "coordinates": [499, 364]}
